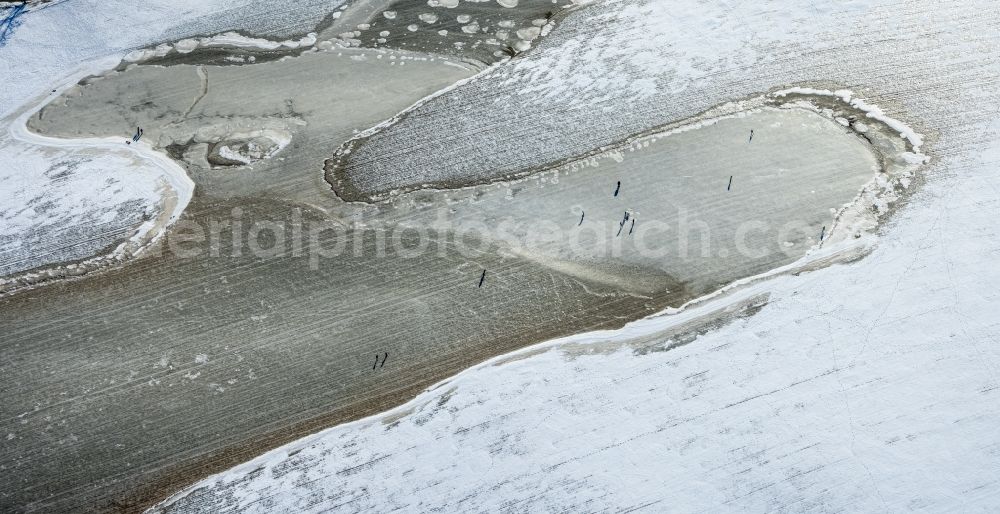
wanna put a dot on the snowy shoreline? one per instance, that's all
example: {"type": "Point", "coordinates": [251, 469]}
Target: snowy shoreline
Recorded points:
{"type": "Point", "coordinates": [172, 202]}
{"type": "Point", "coordinates": [705, 309]}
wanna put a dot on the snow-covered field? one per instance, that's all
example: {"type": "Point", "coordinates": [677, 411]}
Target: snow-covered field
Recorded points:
{"type": "Point", "coordinates": [69, 200]}
{"type": "Point", "coordinates": [70, 205]}
{"type": "Point", "coordinates": [870, 386]}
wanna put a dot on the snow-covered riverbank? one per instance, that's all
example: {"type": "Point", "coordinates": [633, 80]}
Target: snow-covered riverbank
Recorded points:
{"type": "Point", "coordinates": [88, 178]}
